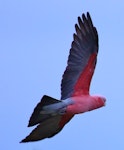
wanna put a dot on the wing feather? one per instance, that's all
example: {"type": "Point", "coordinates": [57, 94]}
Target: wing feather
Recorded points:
{"type": "Point", "coordinates": [82, 59]}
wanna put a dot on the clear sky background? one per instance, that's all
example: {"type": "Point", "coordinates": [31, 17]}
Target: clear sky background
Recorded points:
{"type": "Point", "coordinates": [35, 38]}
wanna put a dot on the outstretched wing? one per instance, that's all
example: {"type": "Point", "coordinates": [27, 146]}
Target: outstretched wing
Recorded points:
{"type": "Point", "coordinates": [82, 59]}
{"type": "Point", "coordinates": [46, 129]}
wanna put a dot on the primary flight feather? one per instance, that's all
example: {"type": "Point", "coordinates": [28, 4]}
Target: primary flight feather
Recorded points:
{"type": "Point", "coordinates": [51, 114]}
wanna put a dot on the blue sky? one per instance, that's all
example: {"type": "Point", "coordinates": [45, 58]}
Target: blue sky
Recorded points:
{"type": "Point", "coordinates": [35, 38]}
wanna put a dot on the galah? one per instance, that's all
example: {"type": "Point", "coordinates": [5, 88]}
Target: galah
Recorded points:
{"type": "Point", "coordinates": [51, 114]}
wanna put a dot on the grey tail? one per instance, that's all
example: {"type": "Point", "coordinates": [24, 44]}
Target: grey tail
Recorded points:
{"type": "Point", "coordinates": [37, 116]}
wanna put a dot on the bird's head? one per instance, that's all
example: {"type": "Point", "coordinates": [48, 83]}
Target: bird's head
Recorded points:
{"type": "Point", "coordinates": [99, 101]}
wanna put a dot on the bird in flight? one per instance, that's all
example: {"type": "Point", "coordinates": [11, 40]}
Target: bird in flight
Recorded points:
{"type": "Point", "coordinates": [51, 114]}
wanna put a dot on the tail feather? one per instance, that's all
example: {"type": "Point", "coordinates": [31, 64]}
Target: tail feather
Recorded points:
{"type": "Point", "coordinates": [37, 116]}
{"type": "Point", "coordinates": [49, 115]}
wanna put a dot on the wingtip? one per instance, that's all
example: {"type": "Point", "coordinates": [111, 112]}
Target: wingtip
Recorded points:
{"type": "Point", "coordinates": [22, 141]}
{"type": "Point", "coordinates": [32, 123]}
{"type": "Point", "coordinates": [29, 124]}
{"type": "Point", "coordinates": [85, 16]}
{"type": "Point", "coordinates": [88, 14]}
{"type": "Point", "coordinates": [25, 140]}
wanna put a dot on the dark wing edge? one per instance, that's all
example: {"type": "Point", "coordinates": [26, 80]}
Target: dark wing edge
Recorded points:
{"type": "Point", "coordinates": [84, 45]}
{"type": "Point", "coordinates": [46, 129]}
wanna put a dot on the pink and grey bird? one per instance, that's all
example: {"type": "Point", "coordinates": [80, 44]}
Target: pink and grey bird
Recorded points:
{"type": "Point", "coordinates": [51, 114]}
